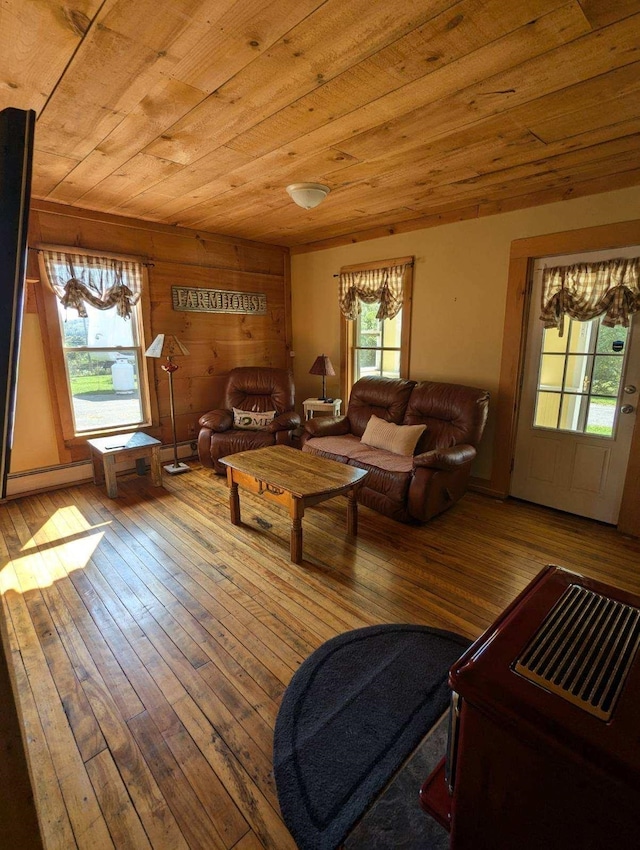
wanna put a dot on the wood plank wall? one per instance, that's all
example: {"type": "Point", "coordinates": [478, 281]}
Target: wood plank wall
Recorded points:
{"type": "Point", "coordinates": [216, 341]}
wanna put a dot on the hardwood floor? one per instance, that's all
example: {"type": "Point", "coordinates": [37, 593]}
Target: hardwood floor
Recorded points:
{"type": "Point", "coordinates": [151, 640]}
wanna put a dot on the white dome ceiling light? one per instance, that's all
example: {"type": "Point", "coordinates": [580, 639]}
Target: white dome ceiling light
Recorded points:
{"type": "Point", "coordinates": [308, 195]}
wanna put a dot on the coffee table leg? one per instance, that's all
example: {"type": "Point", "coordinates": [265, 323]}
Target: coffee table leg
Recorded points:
{"type": "Point", "coordinates": [234, 502]}
{"type": "Point", "coordinates": [352, 512]}
{"type": "Point", "coordinates": [297, 512]}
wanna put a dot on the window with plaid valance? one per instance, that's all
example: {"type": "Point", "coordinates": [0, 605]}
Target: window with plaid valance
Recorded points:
{"type": "Point", "coordinates": [103, 282]}
{"type": "Point", "coordinates": [610, 288]}
{"type": "Point", "coordinates": [384, 284]}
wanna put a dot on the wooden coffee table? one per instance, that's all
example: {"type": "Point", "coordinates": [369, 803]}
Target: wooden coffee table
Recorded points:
{"type": "Point", "coordinates": [295, 480]}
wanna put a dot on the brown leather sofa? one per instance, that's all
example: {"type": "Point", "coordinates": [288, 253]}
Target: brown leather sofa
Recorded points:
{"type": "Point", "coordinates": [255, 389]}
{"type": "Point", "coordinates": [413, 488]}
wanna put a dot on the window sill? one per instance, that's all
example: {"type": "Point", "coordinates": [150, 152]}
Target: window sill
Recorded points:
{"type": "Point", "coordinates": [81, 439]}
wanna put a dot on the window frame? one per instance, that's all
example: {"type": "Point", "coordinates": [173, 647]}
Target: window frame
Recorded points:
{"type": "Point", "coordinates": [348, 328]}
{"type": "Point", "coordinates": [60, 389]}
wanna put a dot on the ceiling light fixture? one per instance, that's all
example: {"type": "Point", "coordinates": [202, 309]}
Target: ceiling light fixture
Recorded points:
{"type": "Point", "coordinates": [308, 195]}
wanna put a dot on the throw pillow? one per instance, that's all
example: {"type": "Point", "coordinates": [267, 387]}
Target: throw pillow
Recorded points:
{"type": "Point", "coordinates": [250, 420]}
{"type": "Point", "coordinates": [398, 439]}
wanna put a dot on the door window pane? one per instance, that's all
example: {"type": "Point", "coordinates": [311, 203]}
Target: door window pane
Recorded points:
{"type": "Point", "coordinates": [612, 340]}
{"type": "Point", "coordinates": [547, 410]}
{"type": "Point", "coordinates": [585, 371]}
{"type": "Point", "coordinates": [607, 374]}
{"type": "Point", "coordinates": [573, 412]}
{"type": "Point", "coordinates": [552, 372]}
{"type": "Point", "coordinates": [581, 335]}
{"type": "Point", "coordinates": [601, 417]}
{"type": "Point", "coordinates": [578, 373]}
{"type": "Point", "coordinates": [553, 342]}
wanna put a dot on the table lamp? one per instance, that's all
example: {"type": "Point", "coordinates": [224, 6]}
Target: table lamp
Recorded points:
{"type": "Point", "coordinates": [322, 366]}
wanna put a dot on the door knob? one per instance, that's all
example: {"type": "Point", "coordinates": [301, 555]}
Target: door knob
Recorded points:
{"type": "Point", "coordinates": [630, 389]}
{"type": "Point", "coordinates": [627, 408]}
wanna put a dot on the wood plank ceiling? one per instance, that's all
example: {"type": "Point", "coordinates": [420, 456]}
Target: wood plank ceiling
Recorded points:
{"type": "Point", "coordinates": [201, 112]}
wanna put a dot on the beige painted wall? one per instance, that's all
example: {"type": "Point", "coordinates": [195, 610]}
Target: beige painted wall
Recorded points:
{"type": "Point", "coordinates": [34, 442]}
{"type": "Point", "coordinates": [459, 293]}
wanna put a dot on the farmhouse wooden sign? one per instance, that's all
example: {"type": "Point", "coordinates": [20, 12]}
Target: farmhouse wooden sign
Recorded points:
{"type": "Point", "coordinates": [200, 300]}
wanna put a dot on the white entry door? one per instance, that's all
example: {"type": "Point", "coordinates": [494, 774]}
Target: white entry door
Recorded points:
{"type": "Point", "coordinates": [578, 408]}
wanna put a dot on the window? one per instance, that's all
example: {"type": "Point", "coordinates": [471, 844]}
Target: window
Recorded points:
{"type": "Point", "coordinates": [95, 316]}
{"type": "Point", "coordinates": [377, 343]}
{"type": "Point", "coordinates": [374, 345]}
{"type": "Point", "coordinates": [580, 376]}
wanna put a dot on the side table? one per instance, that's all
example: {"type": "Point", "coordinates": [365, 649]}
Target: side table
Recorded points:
{"type": "Point", "coordinates": [318, 405]}
{"type": "Point", "coordinates": [136, 446]}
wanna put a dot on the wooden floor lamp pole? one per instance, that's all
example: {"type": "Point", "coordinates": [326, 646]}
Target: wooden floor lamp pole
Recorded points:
{"type": "Point", "coordinates": [170, 367]}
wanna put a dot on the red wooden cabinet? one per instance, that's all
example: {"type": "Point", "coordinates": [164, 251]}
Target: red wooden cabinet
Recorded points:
{"type": "Point", "coordinates": [544, 744]}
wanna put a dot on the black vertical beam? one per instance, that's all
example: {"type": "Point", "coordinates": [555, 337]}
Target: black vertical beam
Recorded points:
{"type": "Point", "coordinates": [16, 153]}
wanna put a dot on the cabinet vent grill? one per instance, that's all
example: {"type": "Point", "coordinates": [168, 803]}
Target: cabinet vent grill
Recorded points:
{"type": "Point", "coordinates": [583, 650]}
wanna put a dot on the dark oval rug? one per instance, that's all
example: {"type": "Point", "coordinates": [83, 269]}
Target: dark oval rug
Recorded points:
{"type": "Point", "coordinates": [353, 713]}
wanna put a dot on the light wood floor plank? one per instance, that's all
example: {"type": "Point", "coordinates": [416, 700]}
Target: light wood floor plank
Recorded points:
{"type": "Point", "coordinates": [152, 640]}
{"type": "Point", "coordinates": [55, 826]}
{"type": "Point", "coordinates": [120, 816]}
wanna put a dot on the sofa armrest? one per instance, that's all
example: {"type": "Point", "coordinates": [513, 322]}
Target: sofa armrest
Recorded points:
{"type": "Point", "coordinates": [450, 458]}
{"type": "Point", "coordinates": [217, 420]}
{"type": "Point", "coordinates": [327, 426]}
{"type": "Point", "coordinates": [286, 421]}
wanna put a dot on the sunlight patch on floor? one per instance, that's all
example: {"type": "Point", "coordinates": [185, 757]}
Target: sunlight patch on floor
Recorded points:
{"type": "Point", "coordinates": [51, 552]}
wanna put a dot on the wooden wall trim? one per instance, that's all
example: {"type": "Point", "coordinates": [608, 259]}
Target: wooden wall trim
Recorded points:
{"type": "Point", "coordinates": [288, 315]}
{"type": "Point", "coordinates": [378, 264]}
{"type": "Point", "coordinates": [140, 224]}
{"type": "Point", "coordinates": [523, 252]}
{"type": "Point", "coordinates": [513, 338]}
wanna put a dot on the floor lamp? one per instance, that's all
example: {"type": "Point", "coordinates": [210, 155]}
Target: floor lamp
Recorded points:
{"type": "Point", "coordinates": [169, 346]}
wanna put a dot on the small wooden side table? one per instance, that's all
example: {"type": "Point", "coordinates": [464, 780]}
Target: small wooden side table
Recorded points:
{"type": "Point", "coordinates": [317, 405]}
{"type": "Point", "coordinates": [136, 446]}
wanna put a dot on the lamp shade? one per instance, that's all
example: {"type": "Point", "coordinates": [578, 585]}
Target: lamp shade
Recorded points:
{"type": "Point", "coordinates": [322, 366]}
{"type": "Point", "coordinates": [166, 345]}
{"type": "Point", "coordinates": [308, 195]}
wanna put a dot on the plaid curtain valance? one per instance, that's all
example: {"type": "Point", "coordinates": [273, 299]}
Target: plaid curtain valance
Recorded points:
{"type": "Point", "coordinates": [384, 285]}
{"type": "Point", "coordinates": [103, 282]}
{"type": "Point", "coordinates": [586, 290]}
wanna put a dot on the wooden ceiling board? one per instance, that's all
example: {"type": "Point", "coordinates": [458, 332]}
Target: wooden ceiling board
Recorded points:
{"type": "Point", "coordinates": [420, 57]}
{"type": "Point", "coordinates": [588, 119]}
{"type": "Point", "coordinates": [545, 73]}
{"type": "Point", "coordinates": [275, 170]}
{"type": "Point", "coordinates": [601, 13]}
{"type": "Point", "coordinates": [37, 41]}
{"type": "Point", "coordinates": [297, 64]}
{"type": "Point", "coordinates": [495, 151]}
{"type": "Point", "coordinates": [200, 112]}
{"type": "Point", "coordinates": [161, 106]}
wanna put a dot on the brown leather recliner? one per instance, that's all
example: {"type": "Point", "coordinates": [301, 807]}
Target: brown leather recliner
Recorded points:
{"type": "Point", "coordinates": [407, 488]}
{"type": "Point", "coordinates": [256, 389]}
